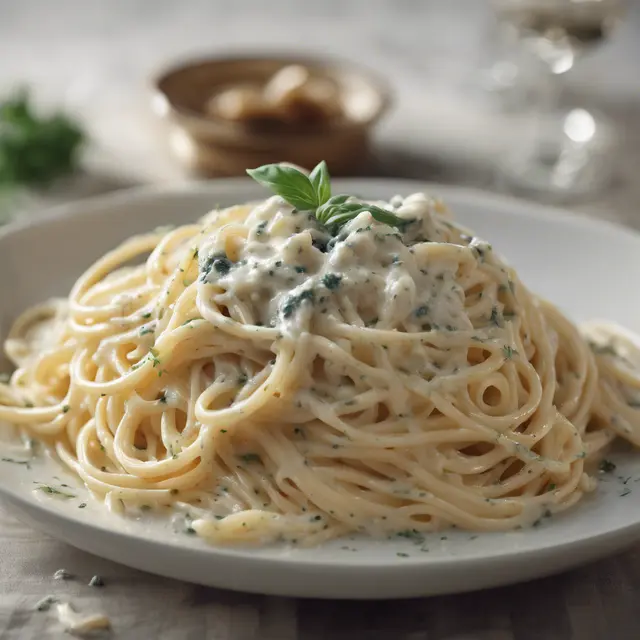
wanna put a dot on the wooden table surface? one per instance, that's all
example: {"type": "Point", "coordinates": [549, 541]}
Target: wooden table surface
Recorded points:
{"type": "Point", "coordinates": [96, 59]}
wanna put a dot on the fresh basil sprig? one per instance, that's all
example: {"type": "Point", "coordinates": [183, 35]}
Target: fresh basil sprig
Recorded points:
{"type": "Point", "coordinates": [313, 193]}
{"type": "Point", "coordinates": [290, 184]}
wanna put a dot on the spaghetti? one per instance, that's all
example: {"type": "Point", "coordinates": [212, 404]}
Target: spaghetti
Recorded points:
{"type": "Point", "coordinates": [271, 381]}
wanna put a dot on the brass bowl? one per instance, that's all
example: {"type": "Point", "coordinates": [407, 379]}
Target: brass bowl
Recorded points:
{"type": "Point", "coordinates": [214, 146]}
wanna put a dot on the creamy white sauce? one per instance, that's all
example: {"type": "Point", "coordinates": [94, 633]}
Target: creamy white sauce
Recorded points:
{"type": "Point", "coordinates": [285, 277]}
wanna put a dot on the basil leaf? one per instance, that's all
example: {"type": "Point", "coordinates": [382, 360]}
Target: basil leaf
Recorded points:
{"type": "Point", "coordinates": [289, 183]}
{"type": "Point", "coordinates": [340, 198]}
{"type": "Point", "coordinates": [321, 181]}
{"type": "Point", "coordinates": [386, 217]}
{"type": "Point", "coordinates": [313, 193]}
{"type": "Point", "coordinates": [334, 204]}
{"type": "Point", "coordinates": [338, 220]}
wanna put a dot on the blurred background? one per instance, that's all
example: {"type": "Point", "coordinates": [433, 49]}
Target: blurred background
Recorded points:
{"type": "Point", "coordinates": [474, 88]}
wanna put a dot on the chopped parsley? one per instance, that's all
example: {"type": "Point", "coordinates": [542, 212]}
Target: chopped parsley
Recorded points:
{"type": "Point", "coordinates": [606, 466]}
{"type": "Point", "coordinates": [14, 461]}
{"type": "Point", "coordinates": [293, 302]}
{"type": "Point", "coordinates": [218, 262]}
{"type": "Point", "coordinates": [412, 534]}
{"type": "Point", "coordinates": [331, 280]}
{"type": "Point", "coordinates": [52, 491]}
{"type": "Point", "coordinates": [261, 227]}
{"type": "Point", "coordinates": [251, 457]}
{"type": "Point", "coordinates": [509, 352]}
{"type": "Point", "coordinates": [154, 357]}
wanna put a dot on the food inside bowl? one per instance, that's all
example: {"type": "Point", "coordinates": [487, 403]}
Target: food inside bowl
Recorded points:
{"type": "Point", "coordinates": [294, 96]}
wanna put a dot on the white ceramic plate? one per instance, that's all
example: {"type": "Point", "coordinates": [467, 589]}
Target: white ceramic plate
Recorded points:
{"type": "Point", "coordinates": [586, 267]}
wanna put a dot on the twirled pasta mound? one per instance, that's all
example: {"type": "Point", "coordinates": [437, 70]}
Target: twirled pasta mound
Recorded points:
{"type": "Point", "coordinates": [273, 382]}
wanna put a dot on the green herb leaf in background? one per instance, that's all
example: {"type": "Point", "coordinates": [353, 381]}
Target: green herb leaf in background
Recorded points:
{"type": "Point", "coordinates": [313, 193]}
{"type": "Point", "coordinates": [34, 149]}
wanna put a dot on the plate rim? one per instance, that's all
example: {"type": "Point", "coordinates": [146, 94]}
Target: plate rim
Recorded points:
{"type": "Point", "coordinates": [87, 206]}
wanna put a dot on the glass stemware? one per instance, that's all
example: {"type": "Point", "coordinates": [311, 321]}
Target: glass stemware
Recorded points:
{"type": "Point", "coordinates": [565, 152]}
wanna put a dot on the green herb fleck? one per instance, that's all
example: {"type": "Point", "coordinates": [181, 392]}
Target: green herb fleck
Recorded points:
{"type": "Point", "coordinates": [251, 457]}
{"type": "Point", "coordinates": [331, 280]}
{"type": "Point", "coordinates": [218, 262]}
{"type": "Point", "coordinates": [154, 357]}
{"type": "Point", "coordinates": [606, 466]}
{"type": "Point", "coordinates": [293, 302]}
{"type": "Point", "coordinates": [261, 227]}
{"type": "Point", "coordinates": [52, 491]}
{"type": "Point", "coordinates": [509, 352]}
{"type": "Point", "coordinates": [14, 461]}
{"type": "Point", "coordinates": [412, 534]}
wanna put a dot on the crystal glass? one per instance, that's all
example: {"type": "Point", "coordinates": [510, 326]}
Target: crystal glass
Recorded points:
{"type": "Point", "coordinates": [565, 152]}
